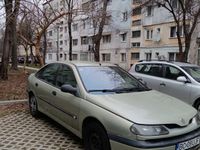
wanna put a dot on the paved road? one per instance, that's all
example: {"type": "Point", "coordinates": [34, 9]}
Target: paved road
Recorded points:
{"type": "Point", "coordinates": [20, 131]}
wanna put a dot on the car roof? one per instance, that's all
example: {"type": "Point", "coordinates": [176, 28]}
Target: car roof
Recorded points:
{"type": "Point", "coordinates": [85, 63]}
{"type": "Point", "coordinates": [181, 64]}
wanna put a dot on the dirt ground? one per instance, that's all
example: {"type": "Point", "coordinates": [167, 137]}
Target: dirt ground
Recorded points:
{"type": "Point", "coordinates": [15, 87]}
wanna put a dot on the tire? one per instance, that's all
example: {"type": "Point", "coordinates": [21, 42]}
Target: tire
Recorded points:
{"type": "Point", "coordinates": [33, 107]}
{"type": "Point", "coordinates": [95, 137]}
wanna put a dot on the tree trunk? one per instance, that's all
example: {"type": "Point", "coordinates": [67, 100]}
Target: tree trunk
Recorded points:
{"type": "Point", "coordinates": [31, 55]}
{"type": "Point", "coordinates": [7, 45]}
{"type": "Point", "coordinates": [98, 36]}
{"type": "Point", "coordinates": [37, 53]}
{"type": "Point", "coordinates": [45, 47]}
{"type": "Point", "coordinates": [70, 31]}
{"type": "Point", "coordinates": [6, 52]}
{"type": "Point", "coordinates": [14, 46]}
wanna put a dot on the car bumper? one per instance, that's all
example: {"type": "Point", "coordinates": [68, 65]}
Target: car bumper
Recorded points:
{"type": "Point", "coordinates": [119, 143]}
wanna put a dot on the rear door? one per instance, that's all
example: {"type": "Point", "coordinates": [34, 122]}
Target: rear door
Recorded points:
{"type": "Point", "coordinates": [43, 86]}
{"type": "Point", "coordinates": [149, 73]}
{"type": "Point", "coordinates": [171, 86]}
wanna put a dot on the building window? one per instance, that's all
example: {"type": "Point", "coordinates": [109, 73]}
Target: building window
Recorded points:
{"type": "Point", "coordinates": [136, 34]}
{"type": "Point", "coordinates": [74, 56]}
{"type": "Point", "coordinates": [61, 35]}
{"type": "Point", "coordinates": [150, 11]}
{"type": "Point", "coordinates": [135, 56]}
{"type": "Point", "coordinates": [173, 56]}
{"type": "Point", "coordinates": [61, 55]}
{"type": "Point", "coordinates": [124, 16]}
{"type": "Point", "coordinates": [148, 56]}
{"type": "Point", "coordinates": [136, 22]}
{"type": "Point", "coordinates": [136, 44]}
{"type": "Point", "coordinates": [105, 57]}
{"type": "Point", "coordinates": [123, 37]}
{"type": "Point", "coordinates": [84, 23]}
{"type": "Point", "coordinates": [75, 27]}
{"type": "Point", "coordinates": [173, 31]}
{"type": "Point", "coordinates": [50, 33]}
{"type": "Point", "coordinates": [50, 56]}
{"type": "Point", "coordinates": [149, 34]}
{"type": "Point", "coordinates": [84, 57]}
{"type": "Point", "coordinates": [75, 42]}
{"type": "Point", "coordinates": [174, 3]}
{"type": "Point", "coordinates": [50, 44]}
{"type": "Point", "coordinates": [65, 42]}
{"type": "Point", "coordinates": [137, 11]}
{"type": "Point", "coordinates": [65, 29]}
{"type": "Point", "coordinates": [123, 57]}
{"type": "Point", "coordinates": [61, 42]}
{"type": "Point", "coordinates": [61, 29]}
{"type": "Point", "coordinates": [84, 40]}
{"type": "Point", "coordinates": [107, 20]}
{"type": "Point", "coordinates": [106, 38]}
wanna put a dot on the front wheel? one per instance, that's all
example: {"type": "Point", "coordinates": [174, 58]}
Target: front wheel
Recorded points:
{"type": "Point", "coordinates": [33, 106]}
{"type": "Point", "coordinates": [95, 137]}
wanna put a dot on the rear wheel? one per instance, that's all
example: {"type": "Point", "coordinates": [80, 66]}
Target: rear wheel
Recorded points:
{"type": "Point", "coordinates": [33, 106]}
{"type": "Point", "coordinates": [95, 137]}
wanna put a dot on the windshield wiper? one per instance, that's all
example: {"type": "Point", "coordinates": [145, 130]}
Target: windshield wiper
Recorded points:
{"type": "Point", "coordinates": [120, 90]}
{"type": "Point", "coordinates": [133, 89]}
{"type": "Point", "coordinates": [102, 90]}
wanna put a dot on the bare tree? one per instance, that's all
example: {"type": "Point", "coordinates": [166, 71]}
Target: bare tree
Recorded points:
{"type": "Point", "coordinates": [98, 15]}
{"type": "Point", "coordinates": [9, 45]}
{"type": "Point", "coordinates": [186, 14]}
{"type": "Point", "coordinates": [41, 18]}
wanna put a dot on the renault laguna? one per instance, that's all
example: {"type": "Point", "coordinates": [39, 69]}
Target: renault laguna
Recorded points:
{"type": "Point", "coordinates": [110, 109]}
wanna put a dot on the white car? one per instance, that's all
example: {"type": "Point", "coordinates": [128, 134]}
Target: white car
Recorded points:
{"type": "Point", "coordinates": [181, 80]}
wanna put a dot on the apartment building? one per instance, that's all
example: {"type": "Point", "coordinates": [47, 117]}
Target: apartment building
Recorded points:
{"type": "Point", "coordinates": [155, 28]}
{"type": "Point", "coordinates": [115, 43]}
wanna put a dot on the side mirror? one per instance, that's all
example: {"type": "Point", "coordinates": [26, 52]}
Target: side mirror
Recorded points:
{"type": "Point", "coordinates": [182, 79]}
{"type": "Point", "coordinates": [68, 89]}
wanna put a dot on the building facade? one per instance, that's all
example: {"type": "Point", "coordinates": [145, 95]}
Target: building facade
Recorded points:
{"type": "Point", "coordinates": [154, 34]}
{"type": "Point", "coordinates": [115, 42]}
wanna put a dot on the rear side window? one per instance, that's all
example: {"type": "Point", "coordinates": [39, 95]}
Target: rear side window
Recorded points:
{"type": "Point", "coordinates": [150, 69]}
{"type": "Point", "coordinates": [48, 73]}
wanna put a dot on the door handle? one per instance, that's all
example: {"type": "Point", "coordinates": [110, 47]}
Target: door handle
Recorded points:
{"type": "Point", "coordinates": [162, 84]}
{"type": "Point", "coordinates": [54, 93]}
{"type": "Point", "coordinates": [36, 84]}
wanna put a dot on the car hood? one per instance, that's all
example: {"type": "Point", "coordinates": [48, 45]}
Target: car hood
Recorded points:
{"type": "Point", "coordinates": [149, 107]}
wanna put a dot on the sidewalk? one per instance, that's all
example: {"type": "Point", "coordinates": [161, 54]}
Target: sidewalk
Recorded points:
{"type": "Point", "coordinates": [20, 131]}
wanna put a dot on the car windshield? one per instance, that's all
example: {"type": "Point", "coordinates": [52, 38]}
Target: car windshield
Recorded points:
{"type": "Point", "coordinates": [193, 71]}
{"type": "Point", "coordinates": [112, 79]}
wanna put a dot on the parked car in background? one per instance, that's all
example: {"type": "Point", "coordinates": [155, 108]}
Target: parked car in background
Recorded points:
{"type": "Point", "coordinates": [181, 80]}
{"type": "Point", "coordinates": [110, 109]}
{"type": "Point", "coordinates": [20, 59]}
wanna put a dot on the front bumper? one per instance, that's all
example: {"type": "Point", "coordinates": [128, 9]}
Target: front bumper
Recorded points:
{"type": "Point", "coordinates": [154, 144]}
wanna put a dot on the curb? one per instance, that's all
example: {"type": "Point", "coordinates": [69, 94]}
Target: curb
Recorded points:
{"type": "Point", "coordinates": [13, 101]}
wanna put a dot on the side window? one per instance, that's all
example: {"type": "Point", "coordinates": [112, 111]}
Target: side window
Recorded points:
{"type": "Point", "coordinates": [150, 69]}
{"type": "Point", "coordinates": [173, 73]}
{"type": "Point", "coordinates": [48, 73]}
{"type": "Point", "coordinates": [65, 76]}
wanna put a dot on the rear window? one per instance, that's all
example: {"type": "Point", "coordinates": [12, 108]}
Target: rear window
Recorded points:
{"type": "Point", "coordinates": [150, 69]}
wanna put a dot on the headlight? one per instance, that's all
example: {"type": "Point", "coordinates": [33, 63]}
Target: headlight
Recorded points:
{"type": "Point", "coordinates": [197, 118]}
{"type": "Point", "coordinates": [148, 130]}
